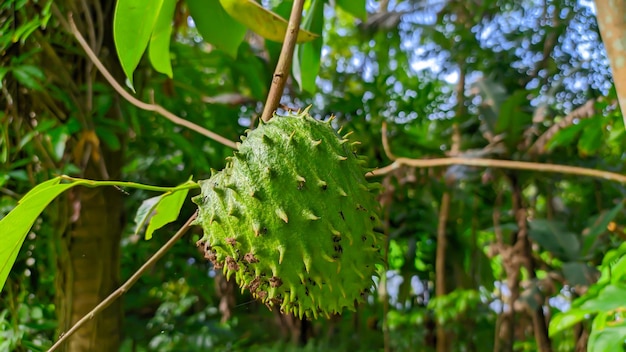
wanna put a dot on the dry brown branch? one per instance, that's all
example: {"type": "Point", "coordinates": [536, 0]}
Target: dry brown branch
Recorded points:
{"type": "Point", "coordinates": [500, 164]}
{"type": "Point", "coordinates": [71, 27]}
{"type": "Point", "coordinates": [281, 73]}
{"type": "Point", "coordinates": [127, 285]}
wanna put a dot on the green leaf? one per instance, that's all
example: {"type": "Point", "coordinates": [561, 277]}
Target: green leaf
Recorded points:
{"type": "Point", "coordinates": [216, 26]}
{"type": "Point", "coordinates": [16, 224]}
{"type": "Point", "coordinates": [355, 7]}
{"type": "Point", "coordinates": [109, 138]}
{"type": "Point", "coordinates": [144, 213]}
{"type": "Point", "coordinates": [592, 138]}
{"type": "Point", "coordinates": [566, 320]}
{"type": "Point", "coordinates": [133, 23]}
{"type": "Point", "coordinates": [512, 119]}
{"type": "Point", "coordinates": [166, 211]}
{"type": "Point", "coordinates": [599, 226]}
{"type": "Point", "coordinates": [609, 339]}
{"type": "Point", "coordinates": [578, 273]}
{"type": "Point", "coordinates": [159, 48]}
{"type": "Point", "coordinates": [610, 298]}
{"type": "Point", "coordinates": [30, 76]}
{"type": "Point", "coordinates": [262, 21]}
{"type": "Point", "coordinates": [567, 135]}
{"type": "Point", "coordinates": [306, 63]}
{"type": "Point", "coordinates": [554, 237]}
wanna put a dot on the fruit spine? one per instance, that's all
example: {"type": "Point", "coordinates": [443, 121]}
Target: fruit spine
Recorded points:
{"type": "Point", "coordinates": [292, 217]}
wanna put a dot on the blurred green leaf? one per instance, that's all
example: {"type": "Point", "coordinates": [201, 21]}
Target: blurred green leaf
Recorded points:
{"type": "Point", "coordinates": [216, 26]}
{"type": "Point", "coordinates": [592, 137]}
{"type": "Point", "coordinates": [599, 226]}
{"type": "Point", "coordinates": [610, 298]}
{"type": "Point", "coordinates": [554, 237]}
{"type": "Point", "coordinates": [306, 63]}
{"type": "Point", "coordinates": [578, 273]}
{"type": "Point", "coordinates": [354, 7]}
{"type": "Point", "coordinates": [565, 320]}
{"type": "Point", "coordinates": [609, 339]}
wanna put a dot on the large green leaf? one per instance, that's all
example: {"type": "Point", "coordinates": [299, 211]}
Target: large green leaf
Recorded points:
{"type": "Point", "coordinates": [355, 7]}
{"type": "Point", "coordinates": [262, 21]}
{"type": "Point", "coordinates": [306, 63]}
{"type": "Point", "coordinates": [16, 224]}
{"type": "Point", "coordinates": [133, 23]}
{"type": "Point", "coordinates": [159, 49]}
{"type": "Point", "coordinates": [216, 26]}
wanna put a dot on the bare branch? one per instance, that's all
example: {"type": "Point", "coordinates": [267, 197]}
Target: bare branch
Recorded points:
{"type": "Point", "coordinates": [127, 285]}
{"type": "Point", "coordinates": [500, 164]}
{"type": "Point", "coordinates": [281, 73]}
{"type": "Point", "coordinates": [71, 26]}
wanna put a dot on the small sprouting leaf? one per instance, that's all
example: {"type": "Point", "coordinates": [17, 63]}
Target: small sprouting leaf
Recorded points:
{"type": "Point", "coordinates": [144, 213]}
{"type": "Point", "coordinates": [160, 211]}
{"type": "Point", "coordinates": [159, 48]}
{"type": "Point", "coordinates": [133, 23]}
{"type": "Point", "coordinates": [262, 21]}
{"type": "Point", "coordinates": [166, 211]}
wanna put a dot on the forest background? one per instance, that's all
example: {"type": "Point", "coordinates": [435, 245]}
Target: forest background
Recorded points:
{"type": "Point", "coordinates": [481, 254]}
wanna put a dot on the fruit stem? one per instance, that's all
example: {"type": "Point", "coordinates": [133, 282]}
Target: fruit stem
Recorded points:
{"type": "Point", "coordinates": [283, 66]}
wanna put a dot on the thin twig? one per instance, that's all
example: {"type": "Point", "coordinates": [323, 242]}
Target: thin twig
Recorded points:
{"type": "Point", "coordinates": [127, 285]}
{"type": "Point", "coordinates": [386, 146]}
{"type": "Point", "coordinates": [495, 163]}
{"type": "Point", "coordinates": [138, 103]}
{"type": "Point", "coordinates": [501, 164]}
{"type": "Point", "coordinates": [284, 61]}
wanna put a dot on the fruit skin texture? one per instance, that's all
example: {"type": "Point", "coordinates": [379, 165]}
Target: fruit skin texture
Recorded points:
{"type": "Point", "coordinates": [292, 218]}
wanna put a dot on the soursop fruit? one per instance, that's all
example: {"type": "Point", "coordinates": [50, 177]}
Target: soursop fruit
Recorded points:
{"type": "Point", "coordinates": [292, 218]}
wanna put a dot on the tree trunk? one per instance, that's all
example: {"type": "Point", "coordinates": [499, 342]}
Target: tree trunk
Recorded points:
{"type": "Point", "coordinates": [88, 250]}
{"type": "Point", "coordinates": [611, 15]}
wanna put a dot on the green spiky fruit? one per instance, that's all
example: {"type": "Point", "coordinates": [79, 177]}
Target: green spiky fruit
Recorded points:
{"type": "Point", "coordinates": [292, 218]}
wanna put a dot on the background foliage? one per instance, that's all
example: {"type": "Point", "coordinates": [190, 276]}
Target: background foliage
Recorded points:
{"type": "Point", "coordinates": [478, 258]}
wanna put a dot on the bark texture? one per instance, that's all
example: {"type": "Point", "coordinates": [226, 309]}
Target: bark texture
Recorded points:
{"type": "Point", "coordinates": [88, 247]}
{"type": "Point", "coordinates": [611, 15]}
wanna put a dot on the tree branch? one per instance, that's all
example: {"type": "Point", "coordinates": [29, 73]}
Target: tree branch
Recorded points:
{"type": "Point", "coordinates": [495, 163]}
{"type": "Point", "coordinates": [127, 285]}
{"type": "Point", "coordinates": [71, 27]}
{"type": "Point", "coordinates": [281, 73]}
{"type": "Point", "coordinates": [500, 164]}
